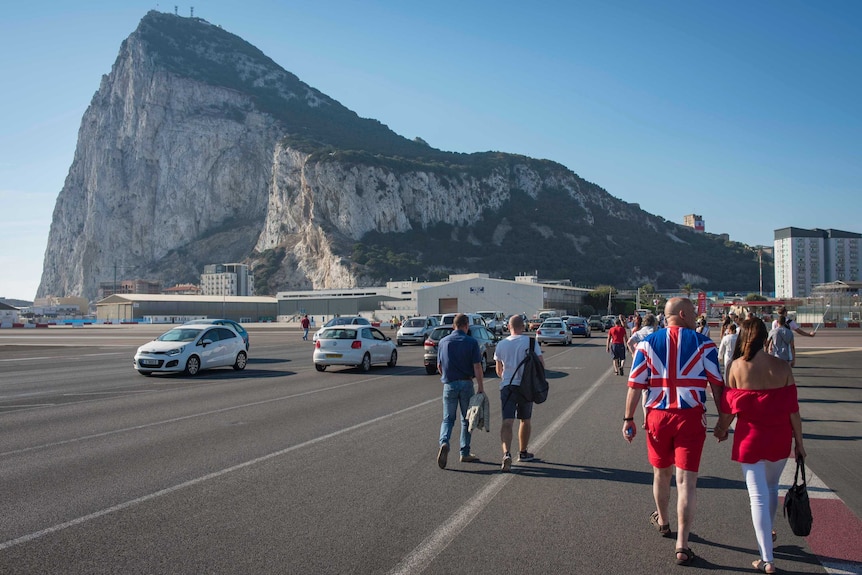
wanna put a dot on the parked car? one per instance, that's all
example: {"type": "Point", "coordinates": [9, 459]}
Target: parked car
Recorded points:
{"type": "Point", "coordinates": [579, 326]}
{"type": "Point", "coordinates": [596, 322]}
{"type": "Point", "coordinates": [218, 321]}
{"type": "Point", "coordinates": [533, 324]}
{"type": "Point", "coordinates": [190, 348]}
{"type": "Point", "coordinates": [341, 320]}
{"type": "Point", "coordinates": [495, 321]}
{"type": "Point", "coordinates": [487, 345]}
{"type": "Point", "coordinates": [553, 331]}
{"type": "Point", "coordinates": [416, 330]}
{"type": "Point", "coordinates": [355, 345]}
{"type": "Point", "coordinates": [610, 321]}
{"type": "Point", "coordinates": [475, 319]}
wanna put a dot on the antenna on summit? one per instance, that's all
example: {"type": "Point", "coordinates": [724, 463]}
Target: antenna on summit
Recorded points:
{"type": "Point", "coordinates": [193, 12]}
{"type": "Point", "coordinates": [176, 10]}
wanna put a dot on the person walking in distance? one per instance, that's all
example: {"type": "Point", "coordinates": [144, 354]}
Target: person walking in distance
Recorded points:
{"type": "Point", "coordinates": [305, 323]}
{"type": "Point", "coordinates": [761, 395]}
{"type": "Point", "coordinates": [459, 360]}
{"type": "Point", "coordinates": [727, 345]}
{"type": "Point", "coordinates": [791, 323]}
{"type": "Point", "coordinates": [508, 355]}
{"type": "Point", "coordinates": [616, 346]}
{"type": "Point", "coordinates": [675, 365]}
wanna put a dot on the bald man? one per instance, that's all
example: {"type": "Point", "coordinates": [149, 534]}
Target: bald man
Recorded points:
{"type": "Point", "coordinates": [674, 365]}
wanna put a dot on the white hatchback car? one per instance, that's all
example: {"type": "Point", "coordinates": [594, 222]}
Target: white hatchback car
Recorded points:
{"type": "Point", "coordinates": [341, 320]}
{"type": "Point", "coordinates": [191, 348]}
{"type": "Point", "coordinates": [355, 345]}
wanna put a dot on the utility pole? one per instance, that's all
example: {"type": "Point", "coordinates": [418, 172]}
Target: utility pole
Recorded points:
{"type": "Point", "coordinates": [760, 266]}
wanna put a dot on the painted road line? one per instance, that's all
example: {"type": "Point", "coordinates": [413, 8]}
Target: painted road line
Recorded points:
{"type": "Point", "coordinates": [417, 560]}
{"type": "Point", "coordinates": [836, 534]}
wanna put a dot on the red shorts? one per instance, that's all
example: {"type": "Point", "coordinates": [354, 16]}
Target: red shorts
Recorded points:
{"type": "Point", "coordinates": [676, 437]}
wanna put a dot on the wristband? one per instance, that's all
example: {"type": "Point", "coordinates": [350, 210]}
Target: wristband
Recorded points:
{"type": "Point", "coordinates": [628, 419]}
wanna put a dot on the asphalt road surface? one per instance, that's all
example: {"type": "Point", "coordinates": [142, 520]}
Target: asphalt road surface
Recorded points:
{"type": "Point", "coordinates": [281, 469]}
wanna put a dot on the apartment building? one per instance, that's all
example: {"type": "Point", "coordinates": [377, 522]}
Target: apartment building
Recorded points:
{"type": "Point", "coordinates": [806, 258]}
{"type": "Point", "coordinates": [227, 279]}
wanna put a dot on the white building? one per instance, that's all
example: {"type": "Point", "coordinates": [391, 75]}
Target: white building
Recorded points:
{"type": "Point", "coordinates": [806, 258]}
{"type": "Point", "coordinates": [227, 279]}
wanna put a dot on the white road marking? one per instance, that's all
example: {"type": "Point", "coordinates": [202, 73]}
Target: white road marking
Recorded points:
{"type": "Point", "coordinates": [192, 482]}
{"type": "Point", "coordinates": [183, 418]}
{"type": "Point", "coordinates": [417, 560]}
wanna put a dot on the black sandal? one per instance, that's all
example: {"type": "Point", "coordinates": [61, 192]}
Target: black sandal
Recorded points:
{"type": "Point", "coordinates": [663, 529]}
{"type": "Point", "coordinates": [689, 556]}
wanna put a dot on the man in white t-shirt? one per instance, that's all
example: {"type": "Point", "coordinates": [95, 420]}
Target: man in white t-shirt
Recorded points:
{"type": "Point", "coordinates": [508, 355]}
{"type": "Point", "coordinates": [791, 324]}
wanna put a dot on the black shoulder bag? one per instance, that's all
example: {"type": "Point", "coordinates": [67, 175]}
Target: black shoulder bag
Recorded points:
{"type": "Point", "coordinates": [797, 507]}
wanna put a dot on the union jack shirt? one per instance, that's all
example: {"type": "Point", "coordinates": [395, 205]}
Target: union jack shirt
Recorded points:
{"type": "Point", "coordinates": [675, 365]}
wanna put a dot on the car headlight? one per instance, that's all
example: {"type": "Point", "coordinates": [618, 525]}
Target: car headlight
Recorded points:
{"type": "Point", "coordinates": [175, 351]}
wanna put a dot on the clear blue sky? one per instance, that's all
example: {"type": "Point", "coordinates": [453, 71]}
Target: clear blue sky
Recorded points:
{"type": "Point", "coordinates": [747, 113]}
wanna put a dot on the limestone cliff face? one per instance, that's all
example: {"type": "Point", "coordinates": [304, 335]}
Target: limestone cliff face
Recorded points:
{"type": "Point", "coordinates": [199, 149]}
{"type": "Point", "coordinates": [162, 162]}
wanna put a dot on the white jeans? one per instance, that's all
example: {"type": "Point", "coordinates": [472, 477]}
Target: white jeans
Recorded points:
{"type": "Point", "coordinates": [762, 481]}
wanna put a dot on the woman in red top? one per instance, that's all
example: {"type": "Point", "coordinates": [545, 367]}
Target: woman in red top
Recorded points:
{"type": "Point", "coordinates": [761, 393]}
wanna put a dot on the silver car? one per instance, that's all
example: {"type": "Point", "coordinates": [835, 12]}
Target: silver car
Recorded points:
{"type": "Point", "coordinates": [416, 330]}
{"type": "Point", "coordinates": [487, 346]}
{"type": "Point", "coordinates": [554, 331]}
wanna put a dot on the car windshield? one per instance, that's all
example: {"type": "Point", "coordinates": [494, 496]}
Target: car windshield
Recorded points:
{"type": "Point", "coordinates": [414, 323]}
{"type": "Point", "coordinates": [338, 333]}
{"type": "Point", "coordinates": [180, 334]}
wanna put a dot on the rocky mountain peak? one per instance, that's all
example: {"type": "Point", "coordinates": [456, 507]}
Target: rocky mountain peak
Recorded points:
{"type": "Point", "coordinates": [198, 148]}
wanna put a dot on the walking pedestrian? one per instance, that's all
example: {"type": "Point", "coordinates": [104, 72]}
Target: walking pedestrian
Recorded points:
{"type": "Point", "coordinates": [674, 365]}
{"type": "Point", "coordinates": [761, 395]}
{"type": "Point", "coordinates": [458, 361]}
{"type": "Point", "coordinates": [508, 354]}
{"type": "Point", "coordinates": [305, 323]}
{"type": "Point", "coordinates": [727, 345]}
{"type": "Point", "coordinates": [791, 323]}
{"type": "Point", "coordinates": [780, 342]}
{"type": "Point", "coordinates": [616, 346]}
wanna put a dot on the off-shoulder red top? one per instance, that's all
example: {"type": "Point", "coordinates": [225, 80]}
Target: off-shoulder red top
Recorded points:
{"type": "Point", "coordinates": [763, 429]}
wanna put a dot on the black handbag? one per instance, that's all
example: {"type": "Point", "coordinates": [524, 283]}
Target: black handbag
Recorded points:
{"type": "Point", "coordinates": [797, 507]}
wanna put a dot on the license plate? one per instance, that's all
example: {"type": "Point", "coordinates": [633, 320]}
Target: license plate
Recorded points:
{"type": "Point", "coordinates": [149, 362]}
{"type": "Point", "coordinates": [333, 355]}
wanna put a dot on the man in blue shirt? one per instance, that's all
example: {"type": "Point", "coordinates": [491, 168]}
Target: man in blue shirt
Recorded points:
{"type": "Point", "coordinates": [458, 361]}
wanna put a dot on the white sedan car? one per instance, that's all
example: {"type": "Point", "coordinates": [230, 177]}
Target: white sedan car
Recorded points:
{"type": "Point", "coordinates": [191, 348]}
{"type": "Point", "coordinates": [354, 345]}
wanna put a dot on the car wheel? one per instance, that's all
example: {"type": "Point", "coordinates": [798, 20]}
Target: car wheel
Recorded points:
{"type": "Point", "coordinates": [484, 363]}
{"type": "Point", "coordinates": [319, 367]}
{"type": "Point", "coordinates": [366, 363]}
{"type": "Point", "coordinates": [431, 369]}
{"type": "Point", "coordinates": [393, 359]}
{"type": "Point", "coordinates": [241, 361]}
{"type": "Point", "coordinates": [146, 373]}
{"type": "Point", "coordinates": [193, 365]}
{"type": "Point", "coordinates": [398, 343]}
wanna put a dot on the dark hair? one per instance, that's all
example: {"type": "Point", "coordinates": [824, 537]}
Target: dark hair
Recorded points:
{"type": "Point", "coordinates": [461, 320]}
{"type": "Point", "coordinates": [752, 338]}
